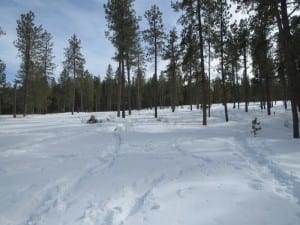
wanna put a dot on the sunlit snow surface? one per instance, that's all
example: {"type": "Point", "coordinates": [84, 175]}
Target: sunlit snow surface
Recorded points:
{"type": "Point", "coordinates": [57, 170]}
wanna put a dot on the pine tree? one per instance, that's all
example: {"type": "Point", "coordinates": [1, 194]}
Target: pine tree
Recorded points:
{"type": "Point", "coordinates": [172, 54]}
{"type": "Point", "coordinates": [190, 54]}
{"type": "Point", "coordinates": [74, 62]}
{"type": "Point", "coordinates": [200, 5]}
{"type": "Point", "coordinates": [122, 27]}
{"type": "Point", "coordinates": [279, 11]}
{"type": "Point", "coordinates": [66, 87]}
{"type": "Point", "coordinates": [295, 31]}
{"type": "Point", "coordinates": [87, 88]}
{"type": "Point", "coordinates": [244, 34]}
{"type": "Point", "coordinates": [46, 59]}
{"type": "Point", "coordinates": [132, 55]}
{"type": "Point", "coordinates": [162, 90]}
{"type": "Point", "coordinates": [140, 75]}
{"type": "Point", "coordinates": [210, 19]}
{"type": "Point", "coordinates": [43, 72]}
{"type": "Point", "coordinates": [154, 36]}
{"type": "Point", "coordinates": [290, 60]}
{"type": "Point", "coordinates": [232, 54]}
{"type": "Point", "coordinates": [222, 26]}
{"type": "Point", "coordinates": [28, 44]}
{"type": "Point", "coordinates": [109, 87]}
{"type": "Point", "coordinates": [193, 18]}
{"type": "Point", "coordinates": [261, 55]}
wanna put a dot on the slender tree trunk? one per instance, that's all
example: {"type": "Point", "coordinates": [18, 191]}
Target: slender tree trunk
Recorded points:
{"type": "Point", "coordinates": [209, 59]}
{"type": "Point", "coordinates": [123, 84]}
{"type": "Point", "coordinates": [119, 87]}
{"type": "Point", "coordinates": [233, 85]}
{"type": "Point", "coordinates": [74, 86]}
{"type": "Point", "coordinates": [190, 87]}
{"type": "Point", "coordinates": [268, 93]}
{"type": "Point", "coordinates": [138, 95]}
{"type": "Point", "coordinates": [173, 88]}
{"type": "Point", "coordinates": [263, 98]}
{"type": "Point", "coordinates": [27, 70]}
{"type": "Point", "coordinates": [129, 86]}
{"type": "Point", "coordinates": [246, 78]}
{"type": "Point", "coordinates": [138, 80]}
{"type": "Point", "coordinates": [15, 100]}
{"type": "Point", "coordinates": [281, 70]}
{"type": "Point", "coordinates": [155, 75]}
{"type": "Point", "coordinates": [222, 65]}
{"type": "Point", "coordinates": [82, 108]}
{"type": "Point", "coordinates": [202, 69]}
{"type": "Point", "coordinates": [237, 84]}
{"type": "Point", "coordinates": [283, 81]}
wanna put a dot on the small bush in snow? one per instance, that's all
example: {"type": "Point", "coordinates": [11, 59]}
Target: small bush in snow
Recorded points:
{"type": "Point", "coordinates": [255, 126]}
{"type": "Point", "coordinates": [92, 119]}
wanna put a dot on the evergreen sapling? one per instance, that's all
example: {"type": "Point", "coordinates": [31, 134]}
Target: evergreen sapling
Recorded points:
{"type": "Point", "coordinates": [255, 126]}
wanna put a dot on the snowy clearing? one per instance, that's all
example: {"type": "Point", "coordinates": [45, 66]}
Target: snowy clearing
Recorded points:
{"type": "Point", "coordinates": [56, 169]}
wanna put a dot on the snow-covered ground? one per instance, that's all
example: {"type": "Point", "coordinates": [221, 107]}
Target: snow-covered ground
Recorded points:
{"type": "Point", "coordinates": [56, 169]}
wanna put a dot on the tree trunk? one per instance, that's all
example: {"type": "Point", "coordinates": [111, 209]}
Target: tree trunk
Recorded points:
{"type": "Point", "coordinates": [173, 88]}
{"type": "Point", "coordinates": [237, 84]}
{"type": "Point", "coordinates": [138, 86]}
{"type": "Point", "coordinates": [27, 68]}
{"type": "Point", "coordinates": [209, 59]}
{"type": "Point", "coordinates": [74, 83]}
{"type": "Point", "coordinates": [222, 66]}
{"type": "Point", "coordinates": [268, 93]}
{"type": "Point", "coordinates": [283, 63]}
{"type": "Point", "coordinates": [129, 85]}
{"type": "Point", "coordinates": [155, 76]}
{"type": "Point", "coordinates": [246, 78]}
{"type": "Point", "coordinates": [123, 84]}
{"type": "Point", "coordinates": [119, 87]}
{"type": "Point", "coordinates": [202, 69]}
{"type": "Point", "coordinates": [15, 100]}
{"type": "Point", "coordinates": [233, 86]}
{"type": "Point", "coordinates": [190, 87]}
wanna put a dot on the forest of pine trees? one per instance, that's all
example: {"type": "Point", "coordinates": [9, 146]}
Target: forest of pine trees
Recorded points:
{"type": "Point", "coordinates": [256, 58]}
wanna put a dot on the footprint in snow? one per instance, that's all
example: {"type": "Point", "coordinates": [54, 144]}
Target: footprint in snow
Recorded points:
{"type": "Point", "coordinates": [256, 184]}
{"type": "Point", "coordinates": [155, 207]}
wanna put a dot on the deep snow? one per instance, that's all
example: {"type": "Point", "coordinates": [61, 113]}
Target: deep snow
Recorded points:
{"type": "Point", "coordinates": [56, 169]}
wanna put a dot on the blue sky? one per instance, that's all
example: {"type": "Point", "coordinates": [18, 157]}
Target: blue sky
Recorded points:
{"type": "Point", "coordinates": [63, 18]}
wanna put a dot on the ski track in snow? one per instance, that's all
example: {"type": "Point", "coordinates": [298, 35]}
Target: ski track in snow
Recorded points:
{"type": "Point", "coordinates": [122, 205]}
{"type": "Point", "coordinates": [54, 197]}
{"type": "Point", "coordinates": [288, 183]}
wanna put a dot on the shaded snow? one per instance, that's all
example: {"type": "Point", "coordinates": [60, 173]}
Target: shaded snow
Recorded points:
{"type": "Point", "coordinates": [55, 169]}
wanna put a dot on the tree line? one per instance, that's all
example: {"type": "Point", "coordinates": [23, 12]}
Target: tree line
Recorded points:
{"type": "Point", "coordinates": [258, 59]}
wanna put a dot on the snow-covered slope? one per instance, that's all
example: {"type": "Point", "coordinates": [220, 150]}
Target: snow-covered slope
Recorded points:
{"type": "Point", "coordinates": [56, 169]}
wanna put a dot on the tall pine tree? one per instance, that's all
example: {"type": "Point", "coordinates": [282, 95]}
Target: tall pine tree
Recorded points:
{"type": "Point", "coordinates": [122, 32]}
{"type": "Point", "coordinates": [172, 54]}
{"type": "Point", "coordinates": [74, 62]}
{"type": "Point", "coordinates": [28, 44]}
{"type": "Point", "coordinates": [154, 36]}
